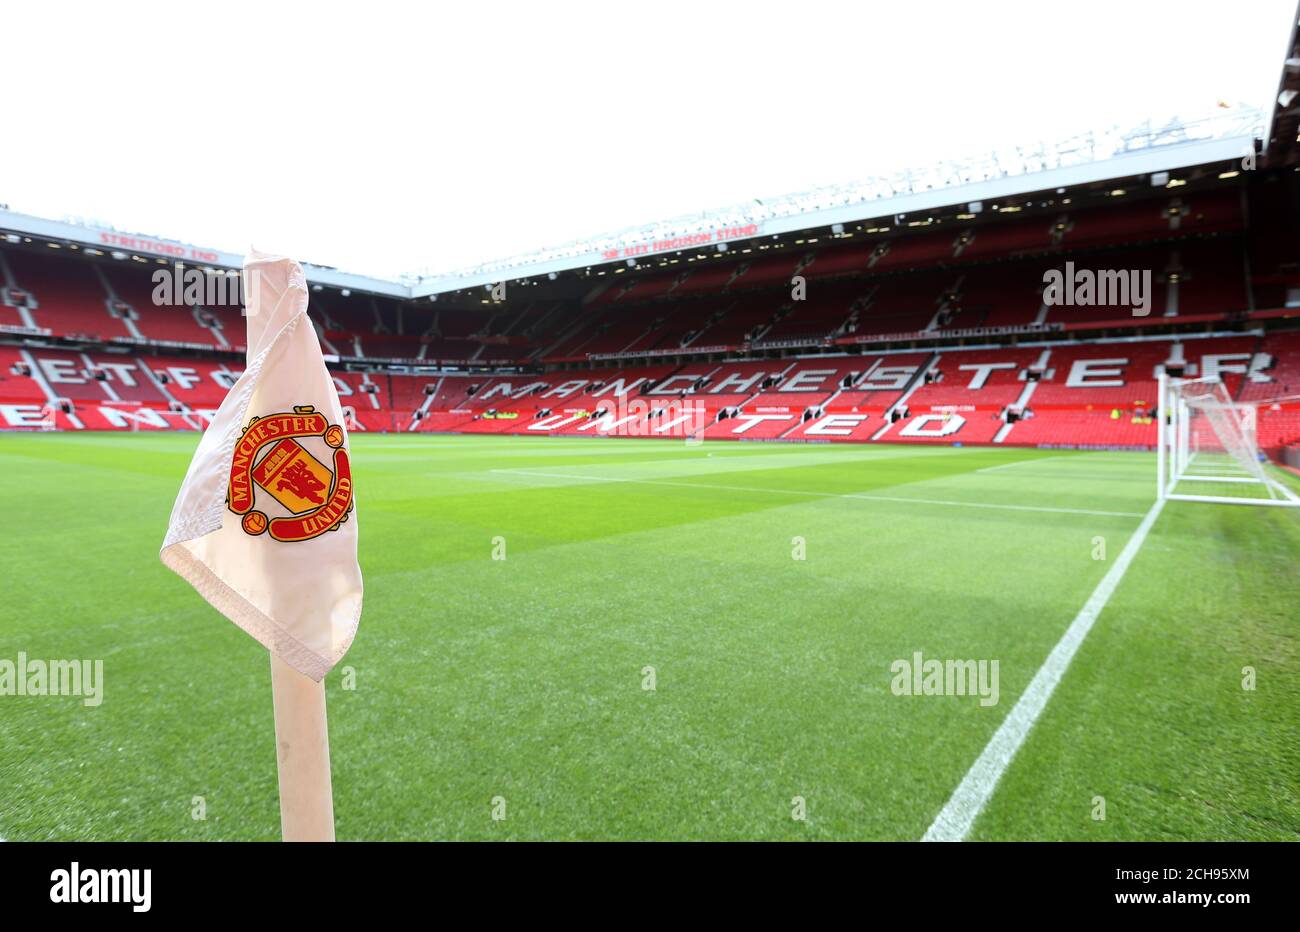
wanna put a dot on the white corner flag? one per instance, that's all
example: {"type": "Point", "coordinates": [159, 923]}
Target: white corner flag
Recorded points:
{"type": "Point", "coordinates": [265, 525]}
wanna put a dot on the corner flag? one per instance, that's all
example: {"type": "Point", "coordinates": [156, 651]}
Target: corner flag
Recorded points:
{"type": "Point", "coordinates": [265, 525]}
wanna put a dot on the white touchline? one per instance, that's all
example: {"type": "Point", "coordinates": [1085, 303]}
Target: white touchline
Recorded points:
{"type": "Point", "coordinates": [854, 495]}
{"type": "Point", "coordinates": [954, 821]}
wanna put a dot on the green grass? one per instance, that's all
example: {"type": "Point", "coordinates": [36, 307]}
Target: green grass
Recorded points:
{"type": "Point", "coordinates": [522, 678]}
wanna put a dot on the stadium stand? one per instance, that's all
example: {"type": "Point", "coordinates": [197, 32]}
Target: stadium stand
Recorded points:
{"type": "Point", "coordinates": [900, 334]}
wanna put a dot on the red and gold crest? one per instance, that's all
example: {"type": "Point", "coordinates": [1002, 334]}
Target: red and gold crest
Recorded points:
{"type": "Point", "coordinates": [270, 456]}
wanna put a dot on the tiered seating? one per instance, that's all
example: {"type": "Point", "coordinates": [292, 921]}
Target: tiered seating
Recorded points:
{"type": "Point", "coordinates": [352, 314]}
{"type": "Point", "coordinates": [126, 378]}
{"type": "Point", "coordinates": [1283, 376]}
{"type": "Point", "coordinates": [639, 289]}
{"type": "Point", "coordinates": [455, 399]}
{"type": "Point", "coordinates": [974, 426]}
{"type": "Point", "coordinates": [587, 337]}
{"type": "Point", "coordinates": [811, 382]}
{"type": "Point", "coordinates": [895, 253]}
{"type": "Point", "coordinates": [16, 388]}
{"type": "Point", "coordinates": [391, 315]}
{"type": "Point", "coordinates": [1153, 261]}
{"type": "Point", "coordinates": [117, 415]}
{"type": "Point", "coordinates": [198, 384]}
{"type": "Point", "coordinates": [750, 272]}
{"type": "Point", "coordinates": [174, 323]}
{"type": "Point", "coordinates": [1073, 404]}
{"type": "Point", "coordinates": [370, 410]}
{"type": "Point", "coordinates": [703, 278]}
{"type": "Point", "coordinates": [952, 277]}
{"type": "Point", "coordinates": [727, 385]}
{"type": "Point", "coordinates": [1212, 279]}
{"type": "Point", "coordinates": [621, 328]}
{"type": "Point", "coordinates": [1098, 428]}
{"type": "Point", "coordinates": [1010, 296]}
{"type": "Point", "coordinates": [969, 382]}
{"type": "Point", "coordinates": [9, 315]}
{"type": "Point", "coordinates": [585, 391]}
{"type": "Point", "coordinates": [905, 304]}
{"type": "Point", "coordinates": [69, 295]}
{"type": "Point", "coordinates": [451, 332]}
{"type": "Point", "coordinates": [743, 319]}
{"type": "Point", "coordinates": [1211, 212]}
{"type": "Point", "coordinates": [408, 391]}
{"type": "Point", "coordinates": [884, 381]}
{"type": "Point", "coordinates": [754, 424]}
{"type": "Point", "coordinates": [1277, 425]}
{"type": "Point", "coordinates": [670, 327]}
{"type": "Point", "coordinates": [995, 240]}
{"type": "Point", "coordinates": [826, 307]}
{"type": "Point", "coordinates": [1109, 375]}
{"type": "Point", "coordinates": [388, 346]}
{"type": "Point", "coordinates": [68, 375]}
{"type": "Point", "coordinates": [838, 427]}
{"type": "Point", "coordinates": [228, 321]}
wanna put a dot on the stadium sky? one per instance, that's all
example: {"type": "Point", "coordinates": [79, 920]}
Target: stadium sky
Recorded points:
{"type": "Point", "coordinates": [390, 137]}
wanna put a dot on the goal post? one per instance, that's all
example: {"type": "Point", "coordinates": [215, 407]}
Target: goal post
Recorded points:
{"type": "Point", "coordinates": [1207, 449]}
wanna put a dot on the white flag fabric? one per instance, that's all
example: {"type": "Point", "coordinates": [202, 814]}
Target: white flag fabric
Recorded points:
{"type": "Point", "coordinates": [265, 526]}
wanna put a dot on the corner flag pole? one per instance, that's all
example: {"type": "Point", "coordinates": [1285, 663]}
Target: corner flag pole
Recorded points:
{"type": "Point", "coordinates": [302, 751]}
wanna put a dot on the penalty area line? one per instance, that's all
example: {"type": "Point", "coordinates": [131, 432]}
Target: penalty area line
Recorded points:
{"type": "Point", "coordinates": [954, 821]}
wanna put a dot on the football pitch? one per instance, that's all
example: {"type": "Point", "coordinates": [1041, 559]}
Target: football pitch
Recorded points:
{"type": "Point", "coordinates": [630, 639]}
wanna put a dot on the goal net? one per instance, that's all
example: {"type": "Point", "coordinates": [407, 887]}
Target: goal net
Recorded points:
{"type": "Point", "coordinates": [1208, 451]}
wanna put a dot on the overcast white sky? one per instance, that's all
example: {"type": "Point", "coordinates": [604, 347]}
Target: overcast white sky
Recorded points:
{"type": "Point", "coordinates": [384, 137]}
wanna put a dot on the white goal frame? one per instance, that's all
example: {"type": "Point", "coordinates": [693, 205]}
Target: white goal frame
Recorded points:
{"type": "Point", "coordinates": [1177, 448]}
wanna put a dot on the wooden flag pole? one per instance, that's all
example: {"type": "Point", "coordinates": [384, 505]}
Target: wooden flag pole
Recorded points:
{"type": "Point", "coordinates": [302, 746]}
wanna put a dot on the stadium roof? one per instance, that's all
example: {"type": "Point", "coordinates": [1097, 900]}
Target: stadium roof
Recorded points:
{"type": "Point", "coordinates": [97, 239]}
{"type": "Point", "coordinates": [1282, 138]}
{"type": "Point", "coordinates": [1228, 134]}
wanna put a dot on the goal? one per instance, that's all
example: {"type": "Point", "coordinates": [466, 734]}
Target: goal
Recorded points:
{"type": "Point", "coordinates": [1207, 450]}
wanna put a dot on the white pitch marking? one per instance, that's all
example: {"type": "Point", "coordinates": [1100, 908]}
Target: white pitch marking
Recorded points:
{"type": "Point", "coordinates": [1038, 459]}
{"type": "Point", "coordinates": [954, 821]}
{"type": "Point", "coordinates": [854, 495]}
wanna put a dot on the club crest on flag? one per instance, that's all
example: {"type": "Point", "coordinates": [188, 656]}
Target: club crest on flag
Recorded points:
{"type": "Point", "coordinates": [272, 458]}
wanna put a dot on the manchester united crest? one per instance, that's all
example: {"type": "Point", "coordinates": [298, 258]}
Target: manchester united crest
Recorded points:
{"type": "Point", "coordinates": [274, 457]}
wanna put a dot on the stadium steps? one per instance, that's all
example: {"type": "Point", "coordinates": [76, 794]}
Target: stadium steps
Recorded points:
{"type": "Point", "coordinates": [51, 398]}
{"type": "Point", "coordinates": [373, 397]}
{"type": "Point", "coordinates": [1022, 402]}
{"type": "Point", "coordinates": [826, 402]}
{"type": "Point", "coordinates": [380, 326]}
{"type": "Point", "coordinates": [324, 340]}
{"type": "Point", "coordinates": [945, 306]}
{"type": "Point", "coordinates": [567, 336]}
{"type": "Point", "coordinates": [129, 321]}
{"type": "Point", "coordinates": [186, 415]}
{"type": "Point", "coordinates": [424, 407]}
{"type": "Point", "coordinates": [1255, 351]}
{"type": "Point", "coordinates": [22, 314]}
{"type": "Point", "coordinates": [917, 380]}
{"type": "Point", "coordinates": [218, 333]}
